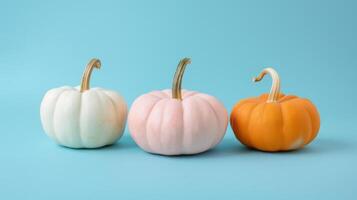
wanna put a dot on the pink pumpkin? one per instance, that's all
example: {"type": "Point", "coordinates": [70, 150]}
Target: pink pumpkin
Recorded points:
{"type": "Point", "coordinates": [175, 122]}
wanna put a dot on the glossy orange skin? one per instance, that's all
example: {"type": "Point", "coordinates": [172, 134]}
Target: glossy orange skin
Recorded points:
{"type": "Point", "coordinates": [287, 124]}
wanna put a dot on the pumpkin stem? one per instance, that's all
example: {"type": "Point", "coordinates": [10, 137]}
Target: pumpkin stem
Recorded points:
{"type": "Point", "coordinates": [177, 82]}
{"type": "Point", "coordinates": [94, 63]}
{"type": "Point", "coordinates": [275, 88]}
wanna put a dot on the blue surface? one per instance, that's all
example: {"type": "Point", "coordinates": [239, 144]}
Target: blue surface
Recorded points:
{"type": "Point", "coordinates": [46, 44]}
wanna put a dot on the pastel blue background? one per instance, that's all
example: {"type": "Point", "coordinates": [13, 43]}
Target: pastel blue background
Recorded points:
{"type": "Point", "coordinates": [46, 44]}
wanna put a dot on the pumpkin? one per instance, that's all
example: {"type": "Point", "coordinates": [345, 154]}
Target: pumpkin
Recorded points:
{"type": "Point", "coordinates": [176, 121]}
{"type": "Point", "coordinates": [275, 122]}
{"type": "Point", "coordinates": [81, 117]}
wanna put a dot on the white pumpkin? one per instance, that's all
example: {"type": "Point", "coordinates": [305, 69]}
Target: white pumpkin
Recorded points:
{"type": "Point", "coordinates": [81, 117]}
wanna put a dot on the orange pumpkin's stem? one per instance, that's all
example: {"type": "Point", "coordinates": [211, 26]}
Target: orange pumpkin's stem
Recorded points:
{"type": "Point", "coordinates": [94, 63]}
{"type": "Point", "coordinates": [177, 82]}
{"type": "Point", "coordinates": [275, 89]}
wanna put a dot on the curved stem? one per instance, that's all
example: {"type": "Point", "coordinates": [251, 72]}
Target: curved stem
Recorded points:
{"type": "Point", "coordinates": [94, 63]}
{"type": "Point", "coordinates": [275, 88]}
{"type": "Point", "coordinates": [177, 82]}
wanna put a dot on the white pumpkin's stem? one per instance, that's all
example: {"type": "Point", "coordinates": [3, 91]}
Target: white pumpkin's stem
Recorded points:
{"type": "Point", "coordinates": [275, 88]}
{"type": "Point", "coordinates": [94, 63]}
{"type": "Point", "coordinates": [177, 82]}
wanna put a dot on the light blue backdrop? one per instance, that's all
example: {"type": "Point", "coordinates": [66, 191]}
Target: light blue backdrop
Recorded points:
{"type": "Point", "coordinates": [47, 44]}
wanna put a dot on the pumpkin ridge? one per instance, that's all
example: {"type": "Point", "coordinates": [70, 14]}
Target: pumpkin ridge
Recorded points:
{"type": "Point", "coordinates": [313, 110]}
{"type": "Point", "coordinates": [103, 93]}
{"type": "Point", "coordinates": [61, 90]}
{"type": "Point", "coordinates": [167, 93]}
{"type": "Point", "coordinates": [233, 120]}
{"type": "Point", "coordinates": [282, 127]}
{"type": "Point", "coordinates": [123, 107]}
{"type": "Point", "coordinates": [146, 123]}
{"type": "Point", "coordinates": [288, 146]}
{"type": "Point", "coordinates": [183, 130]}
{"type": "Point", "coordinates": [184, 145]}
{"type": "Point", "coordinates": [54, 112]}
{"type": "Point", "coordinates": [144, 144]}
{"type": "Point", "coordinates": [295, 103]}
{"type": "Point", "coordinates": [262, 97]}
{"type": "Point", "coordinates": [249, 139]}
{"type": "Point", "coordinates": [191, 93]}
{"type": "Point", "coordinates": [288, 98]}
{"type": "Point", "coordinates": [79, 121]}
{"type": "Point", "coordinates": [190, 96]}
{"type": "Point", "coordinates": [154, 95]}
{"type": "Point", "coordinates": [311, 132]}
{"type": "Point", "coordinates": [101, 103]}
{"type": "Point", "coordinates": [215, 115]}
{"type": "Point", "coordinates": [160, 128]}
{"type": "Point", "coordinates": [261, 119]}
{"type": "Point", "coordinates": [199, 108]}
{"type": "Point", "coordinates": [199, 121]}
{"type": "Point", "coordinates": [245, 101]}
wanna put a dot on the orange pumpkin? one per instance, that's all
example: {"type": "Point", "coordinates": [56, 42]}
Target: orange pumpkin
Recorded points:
{"type": "Point", "coordinates": [275, 122]}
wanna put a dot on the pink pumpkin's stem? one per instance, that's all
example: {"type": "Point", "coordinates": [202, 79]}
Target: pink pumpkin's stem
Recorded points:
{"type": "Point", "coordinates": [177, 82]}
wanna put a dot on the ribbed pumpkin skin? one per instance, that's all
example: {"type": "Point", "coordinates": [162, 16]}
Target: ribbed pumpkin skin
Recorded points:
{"type": "Point", "coordinates": [288, 124]}
{"type": "Point", "coordinates": [90, 119]}
{"type": "Point", "coordinates": [162, 125]}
